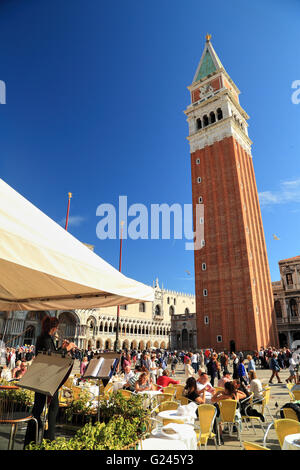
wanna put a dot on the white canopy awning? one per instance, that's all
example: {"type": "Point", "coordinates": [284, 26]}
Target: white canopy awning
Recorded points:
{"type": "Point", "coordinates": [43, 267]}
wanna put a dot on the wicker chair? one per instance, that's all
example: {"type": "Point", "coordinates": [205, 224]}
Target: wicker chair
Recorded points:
{"type": "Point", "coordinates": [253, 446]}
{"type": "Point", "coordinates": [283, 427]}
{"type": "Point", "coordinates": [10, 413]}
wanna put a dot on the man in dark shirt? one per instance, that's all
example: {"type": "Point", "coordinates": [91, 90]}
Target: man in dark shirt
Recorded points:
{"type": "Point", "coordinates": [44, 343]}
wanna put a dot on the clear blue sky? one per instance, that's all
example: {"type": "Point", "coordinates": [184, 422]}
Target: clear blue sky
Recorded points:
{"type": "Point", "coordinates": [95, 98]}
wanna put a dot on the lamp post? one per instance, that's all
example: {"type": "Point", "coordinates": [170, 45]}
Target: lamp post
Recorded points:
{"type": "Point", "coordinates": [116, 345]}
{"type": "Point", "coordinates": [68, 210]}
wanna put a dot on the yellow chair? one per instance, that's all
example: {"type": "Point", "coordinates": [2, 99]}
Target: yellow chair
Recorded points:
{"type": "Point", "coordinates": [69, 382]}
{"type": "Point", "coordinates": [283, 427]}
{"type": "Point", "coordinates": [253, 446]}
{"type": "Point", "coordinates": [170, 390]}
{"type": "Point", "coordinates": [156, 387]}
{"type": "Point", "coordinates": [219, 389]}
{"type": "Point", "coordinates": [108, 390]}
{"type": "Point", "coordinates": [289, 385]}
{"type": "Point", "coordinates": [296, 394]}
{"type": "Point", "coordinates": [126, 393]}
{"type": "Point", "coordinates": [265, 402]}
{"type": "Point", "coordinates": [292, 397]}
{"type": "Point", "coordinates": [228, 415]}
{"type": "Point", "coordinates": [184, 401]}
{"type": "Point", "coordinates": [64, 397]}
{"type": "Point", "coordinates": [76, 392]}
{"type": "Point", "coordinates": [164, 397]}
{"type": "Point", "coordinates": [288, 413]}
{"type": "Point", "coordinates": [206, 418]}
{"type": "Point", "coordinates": [168, 405]}
{"type": "Point", "coordinates": [179, 390]}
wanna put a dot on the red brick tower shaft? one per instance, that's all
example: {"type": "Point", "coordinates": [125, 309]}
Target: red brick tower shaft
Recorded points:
{"type": "Point", "coordinates": [234, 300]}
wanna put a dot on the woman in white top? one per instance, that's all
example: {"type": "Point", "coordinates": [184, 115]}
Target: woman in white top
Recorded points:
{"type": "Point", "coordinates": [188, 369]}
{"type": "Point", "coordinates": [153, 369]}
{"type": "Point", "coordinates": [255, 386]}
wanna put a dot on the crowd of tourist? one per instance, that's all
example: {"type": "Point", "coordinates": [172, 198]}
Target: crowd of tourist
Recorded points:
{"type": "Point", "coordinates": [161, 365]}
{"type": "Point", "coordinates": [17, 361]}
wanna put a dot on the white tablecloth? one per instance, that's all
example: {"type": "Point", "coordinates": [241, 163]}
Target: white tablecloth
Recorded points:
{"type": "Point", "coordinates": [289, 444]}
{"type": "Point", "coordinates": [162, 444]}
{"type": "Point", "coordinates": [181, 432]}
{"type": "Point", "coordinates": [151, 393]}
{"type": "Point", "coordinates": [172, 414]}
{"type": "Point", "coordinates": [186, 413]}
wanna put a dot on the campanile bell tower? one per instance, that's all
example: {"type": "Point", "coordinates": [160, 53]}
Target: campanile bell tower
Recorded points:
{"type": "Point", "coordinates": [234, 300]}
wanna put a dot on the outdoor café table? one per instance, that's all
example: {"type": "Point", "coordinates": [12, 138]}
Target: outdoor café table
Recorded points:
{"type": "Point", "coordinates": [289, 442]}
{"type": "Point", "coordinates": [181, 432]}
{"type": "Point", "coordinates": [172, 414]}
{"type": "Point", "coordinates": [162, 444]}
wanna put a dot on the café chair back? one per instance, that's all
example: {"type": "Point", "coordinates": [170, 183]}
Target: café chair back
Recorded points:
{"type": "Point", "coordinates": [296, 394]}
{"type": "Point", "coordinates": [170, 390]}
{"type": "Point", "coordinates": [184, 400]}
{"type": "Point", "coordinates": [253, 446]}
{"type": "Point", "coordinates": [168, 405]}
{"type": "Point", "coordinates": [289, 413]}
{"type": "Point", "coordinates": [179, 389]}
{"type": "Point", "coordinates": [283, 427]}
{"type": "Point", "coordinates": [69, 382]}
{"type": "Point", "coordinates": [12, 414]}
{"type": "Point", "coordinates": [228, 415]}
{"type": "Point", "coordinates": [206, 418]}
{"type": "Point", "coordinates": [164, 397]}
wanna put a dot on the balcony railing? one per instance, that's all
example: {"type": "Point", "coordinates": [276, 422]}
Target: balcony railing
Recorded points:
{"type": "Point", "coordinates": [288, 320]}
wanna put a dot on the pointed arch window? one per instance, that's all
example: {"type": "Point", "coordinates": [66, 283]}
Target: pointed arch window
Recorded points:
{"type": "Point", "coordinates": [219, 114]}
{"type": "Point", "coordinates": [205, 120]}
{"type": "Point", "coordinates": [198, 124]}
{"type": "Point", "coordinates": [212, 117]}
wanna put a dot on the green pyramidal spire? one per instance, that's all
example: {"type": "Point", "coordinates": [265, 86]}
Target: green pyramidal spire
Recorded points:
{"type": "Point", "coordinates": [207, 66]}
{"type": "Point", "coordinates": [209, 62]}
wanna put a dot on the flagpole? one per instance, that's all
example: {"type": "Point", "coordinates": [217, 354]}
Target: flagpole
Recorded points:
{"type": "Point", "coordinates": [116, 345]}
{"type": "Point", "coordinates": [68, 210]}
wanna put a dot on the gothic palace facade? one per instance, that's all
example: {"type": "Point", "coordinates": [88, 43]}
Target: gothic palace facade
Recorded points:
{"type": "Point", "coordinates": [167, 322]}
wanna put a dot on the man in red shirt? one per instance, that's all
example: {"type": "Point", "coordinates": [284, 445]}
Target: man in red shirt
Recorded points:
{"type": "Point", "coordinates": [164, 380]}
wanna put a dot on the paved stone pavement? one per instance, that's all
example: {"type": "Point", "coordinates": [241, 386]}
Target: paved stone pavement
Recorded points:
{"type": "Point", "coordinates": [279, 396]}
